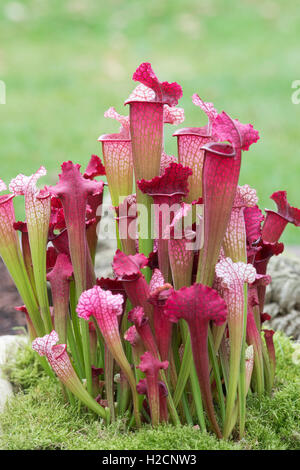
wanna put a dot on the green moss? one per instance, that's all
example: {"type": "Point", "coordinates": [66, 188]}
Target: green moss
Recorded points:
{"type": "Point", "coordinates": [24, 370]}
{"type": "Point", "coordinates": [37, 417]}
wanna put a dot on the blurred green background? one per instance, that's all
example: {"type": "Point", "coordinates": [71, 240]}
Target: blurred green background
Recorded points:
{"type": "Point", "coordinates": [65, 62]}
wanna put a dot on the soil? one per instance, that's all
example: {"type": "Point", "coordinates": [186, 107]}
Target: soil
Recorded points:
{"type": "Point", "coordinates": [11, 321]}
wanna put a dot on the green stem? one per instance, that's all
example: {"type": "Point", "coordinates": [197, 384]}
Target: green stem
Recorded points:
{"type": "Point", "coordinates": [234, 370]}
{"type": "Point", "coordinates": [224, 363]}
{"type": "Point", "coordinates": [44, 363]}
{"type": "Point", "coordinates": [85, 338]}
{"type": "Point", "coordinates": [187, 413]}
{"type": "Point", "coordinates": [71, 397]}
{"type": "Point", "coordinates": [197, 398]}
{"type": "Point", "coordinates": [216, 371]}
{"type": "Point", "coordinates": [87, 354]}
{"type": "Point", "coordinates": [109, 382]}
{"type": "Point", "coordinates": [267, 369]}
{"type": "Point", "coordinates": [185, 370]}
{"type": "Point", "coordinates": [174, 367]}
{"type": "Point", "coordinates": [258, 371]}
{"type": "Point", "coordinates": [242, 376]}
{"type": "Point", "coordinates": [194, 379]}
{"type": "Point", "coordinates": [74, 350]}
{"type": "Point", "coordinates": [75, 323]}
{"type": "Point", "coordinates": [76, 387]}
{"type": "Point", "coordinates": [14, 262]}
{"type": "Point", "coordinates": [144, 224]}
{"type": "Point", "coordinates": [171, 405]}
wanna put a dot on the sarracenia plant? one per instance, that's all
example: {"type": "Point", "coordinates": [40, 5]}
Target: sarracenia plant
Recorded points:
{"type": "Point", "coordinates": [177, 333]}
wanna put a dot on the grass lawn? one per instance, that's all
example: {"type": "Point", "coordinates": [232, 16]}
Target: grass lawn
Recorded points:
{"type": "Point", "coordinates": [65, 63]}
{"type": "Point", "coordinates": [37, 417]}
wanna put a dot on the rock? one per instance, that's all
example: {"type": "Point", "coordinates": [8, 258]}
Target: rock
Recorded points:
{"type": "Point", "coordinates": [289, 323]}
{"type": "Point", "coordinates": [272, 309]}
{"type": "Point", "coordinates": [283, 295]}
{"type": "Point", "coordinates": [285, 274]}
{"type": "Point", "coordinates": [8, 346]}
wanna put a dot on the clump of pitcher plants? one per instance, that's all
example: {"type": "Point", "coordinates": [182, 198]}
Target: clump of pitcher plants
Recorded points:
{"type": "Point", "coordinates": [177, 333]}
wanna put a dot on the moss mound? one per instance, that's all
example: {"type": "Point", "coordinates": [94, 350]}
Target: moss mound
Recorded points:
{"type": "Point", "coordinates": [37, 418]}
